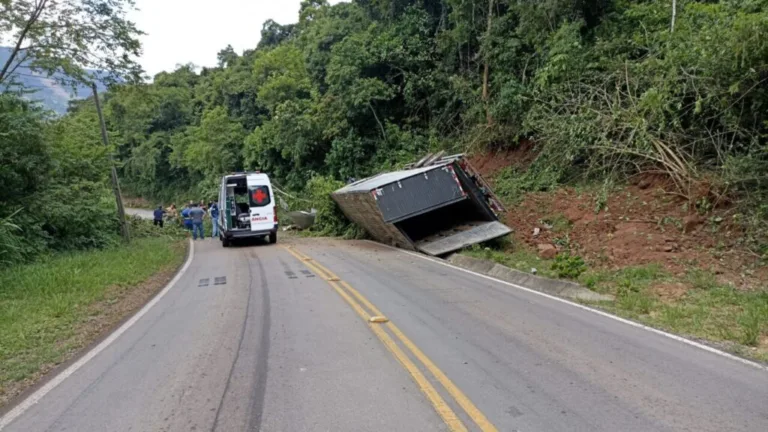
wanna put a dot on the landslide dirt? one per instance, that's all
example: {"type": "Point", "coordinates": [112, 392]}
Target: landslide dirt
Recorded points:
{"type": "Point", "coordinates": [491, 163]}
{"type": "Point", "coordinates": [637, 224]}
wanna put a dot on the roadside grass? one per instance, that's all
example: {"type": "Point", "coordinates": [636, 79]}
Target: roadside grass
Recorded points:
{"type": "Point", "coordinates": [43, 305]}
{"type": "Point", "coordinates": [694, 305]}
{"type": "Point", "coordinates": [702, 309]}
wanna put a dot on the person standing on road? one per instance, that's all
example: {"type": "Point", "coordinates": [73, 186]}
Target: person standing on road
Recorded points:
{"type": "Point", "coordinates": [172, 213]}
{"type": "Point", "coordinates": [214, 212]}
{"type": "Point", "coordinates": [185, 216]}
{"type": "Point", "coordinates": [158, 216]}
{"type": "Point", "coordinates": [196, 214]}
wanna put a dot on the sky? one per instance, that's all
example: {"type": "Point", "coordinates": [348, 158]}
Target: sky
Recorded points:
{"type": "Point", "coordinates": [194, 31]}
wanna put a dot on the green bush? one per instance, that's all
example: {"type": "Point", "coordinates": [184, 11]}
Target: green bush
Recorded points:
{"type": "Point", "coordinates": [10, 242]}
{"type": "Point", "coordinates": [143, 228]}
{"type": "Point", "coordinates": [330, 220]}
{"type": "Point", "coordinates": [568, 266]}
{"type": "Point", "coordinates": [54, 184]}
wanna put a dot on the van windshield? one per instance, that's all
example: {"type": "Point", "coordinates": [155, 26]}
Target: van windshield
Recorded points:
{"type": "Point", "coordinates": [259, 196]}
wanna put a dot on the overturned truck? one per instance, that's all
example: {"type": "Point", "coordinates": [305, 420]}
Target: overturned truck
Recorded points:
{"type": "Point", "coordinates": [437, 205]}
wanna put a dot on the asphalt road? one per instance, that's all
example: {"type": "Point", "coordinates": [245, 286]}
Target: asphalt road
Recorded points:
{"type": "Point", "coordinates": [282, 345]}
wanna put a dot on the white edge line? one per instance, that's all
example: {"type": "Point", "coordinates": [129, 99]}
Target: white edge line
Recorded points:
{"type": "Point", "coordinates": [587, 308]}
{"type": "Point", "coordinates": [35, 397]}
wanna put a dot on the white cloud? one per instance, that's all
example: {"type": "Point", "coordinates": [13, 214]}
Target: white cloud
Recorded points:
{"type": "Point", "coordinates": [194, 31]}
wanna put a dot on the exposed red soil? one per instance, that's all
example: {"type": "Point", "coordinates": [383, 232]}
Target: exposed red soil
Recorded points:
{"type": "Point", "coordinates": [641, 223]}
{"type": "Point", "coordinates": [490, 164]}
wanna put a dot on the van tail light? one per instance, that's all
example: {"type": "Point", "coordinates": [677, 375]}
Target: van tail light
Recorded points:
{"type": "Point", "coordinates": [275, 214]}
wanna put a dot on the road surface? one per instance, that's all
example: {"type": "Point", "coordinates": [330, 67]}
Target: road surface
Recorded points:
{"type": "Point", "coordinates": [276, 338]}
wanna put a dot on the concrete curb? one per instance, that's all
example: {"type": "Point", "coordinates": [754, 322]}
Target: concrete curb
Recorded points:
{"type": "Point", "coordinates": [555, 287]}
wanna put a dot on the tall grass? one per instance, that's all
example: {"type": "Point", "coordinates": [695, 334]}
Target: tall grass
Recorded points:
{"type": "Point", "coordinates": [10, 242]}
{"type": "Point", "coordinates": [708, 310]}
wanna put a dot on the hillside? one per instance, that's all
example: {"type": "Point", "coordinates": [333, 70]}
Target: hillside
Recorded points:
{"type": "Point", "coordinates": [637, 147]}
{"type": "Point", "coordinates": [691, 267]}
{"type": "Point", "coordinates": [49, 93]}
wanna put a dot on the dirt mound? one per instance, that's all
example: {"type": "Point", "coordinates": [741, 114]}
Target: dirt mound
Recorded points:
{"type": "Point", "coordinates": [641, 223]}
{"type": "Point", "coordinates": [638, 225]}
{"type": "Point", "coordinates": [490, 164]}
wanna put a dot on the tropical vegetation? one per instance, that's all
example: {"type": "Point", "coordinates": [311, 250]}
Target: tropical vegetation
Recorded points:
{"type": "Point", "coordinates": [604, 88]}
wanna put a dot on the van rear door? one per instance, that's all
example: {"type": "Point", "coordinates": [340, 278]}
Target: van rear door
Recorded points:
{"type": "Point", "coordinates": [262, 205]}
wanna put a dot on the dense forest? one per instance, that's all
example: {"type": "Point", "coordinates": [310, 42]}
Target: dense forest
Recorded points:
{"type": "Point", "coordinates": [604, 89]}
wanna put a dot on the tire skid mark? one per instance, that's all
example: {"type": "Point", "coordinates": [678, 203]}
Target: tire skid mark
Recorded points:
{"type": "Point", "coordinates": [260, 388]}
{"type": "Point", "coordinates": [239, 349]}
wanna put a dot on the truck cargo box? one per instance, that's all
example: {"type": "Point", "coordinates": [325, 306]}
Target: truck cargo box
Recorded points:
{"type": "Point", "coordinates": [437, 208]}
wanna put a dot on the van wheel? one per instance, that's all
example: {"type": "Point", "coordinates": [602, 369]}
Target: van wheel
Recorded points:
{"type": "Point", "coordinates": [225, 242]}
{"type": "Point", "coordinates": [272, 238]}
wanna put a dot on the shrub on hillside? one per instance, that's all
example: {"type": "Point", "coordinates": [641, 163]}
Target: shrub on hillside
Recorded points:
{"type": "Point", "coordinates": [142, 228]}
{"type": "Point", "coordinates": [54, 194]}
{"type": "Point", "coordinates": [330, 220]}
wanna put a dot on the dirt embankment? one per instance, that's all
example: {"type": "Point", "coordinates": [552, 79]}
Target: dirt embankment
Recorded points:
{"type": "Point", "coordinates": [635, 224]}
{"type": "Point", "coordinates": [491, 163]}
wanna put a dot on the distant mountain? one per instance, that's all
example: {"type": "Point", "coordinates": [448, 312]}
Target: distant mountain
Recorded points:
{"type": "Point", "coordinates": [47, 91]}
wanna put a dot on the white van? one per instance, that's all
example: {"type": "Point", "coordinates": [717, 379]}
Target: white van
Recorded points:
{"type": "Point", "coordinates": [247, 208]}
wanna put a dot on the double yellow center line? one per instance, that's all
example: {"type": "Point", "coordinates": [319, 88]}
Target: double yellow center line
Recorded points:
{"type": "Point", "coordinates": [359, 304]}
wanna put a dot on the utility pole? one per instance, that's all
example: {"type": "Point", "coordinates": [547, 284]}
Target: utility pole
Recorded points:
{"type": "Point", "coordinates": [486, 68]}
{"type": "Point", "coordinates": [115, 182]}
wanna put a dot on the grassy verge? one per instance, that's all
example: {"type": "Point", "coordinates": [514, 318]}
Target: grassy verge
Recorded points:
{"type": "Point", "coordinates": [49, 310]}
{"type": "Point", "coordinates": [694, 305]}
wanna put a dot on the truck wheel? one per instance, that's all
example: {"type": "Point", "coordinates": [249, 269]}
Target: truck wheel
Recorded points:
{"type": "Point", "coordinates": [273, 238]}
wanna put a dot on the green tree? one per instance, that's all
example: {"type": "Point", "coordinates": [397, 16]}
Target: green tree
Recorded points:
{"type": "Point", "coordinates": [54, 177]}
{"type": "Point", "coordinates": [273, 34]}
{"type": "Point", "coordinates": [212, 148]}
{"type": "Point", "coordinates": [281, 75]}
{"type": "Point", "coordinates": [24, 152]}
{"type": "Point", "coordinates": [69, 37]}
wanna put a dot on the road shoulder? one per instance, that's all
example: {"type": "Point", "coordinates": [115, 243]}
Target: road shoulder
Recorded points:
{"type": "Point", "coordinates": [107, 311]}
{"type": "Point", "coordinates": [503, 344]}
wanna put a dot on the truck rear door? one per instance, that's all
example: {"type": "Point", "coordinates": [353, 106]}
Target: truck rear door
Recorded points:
{"type": "Point", "coordinates": [460, 237]}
